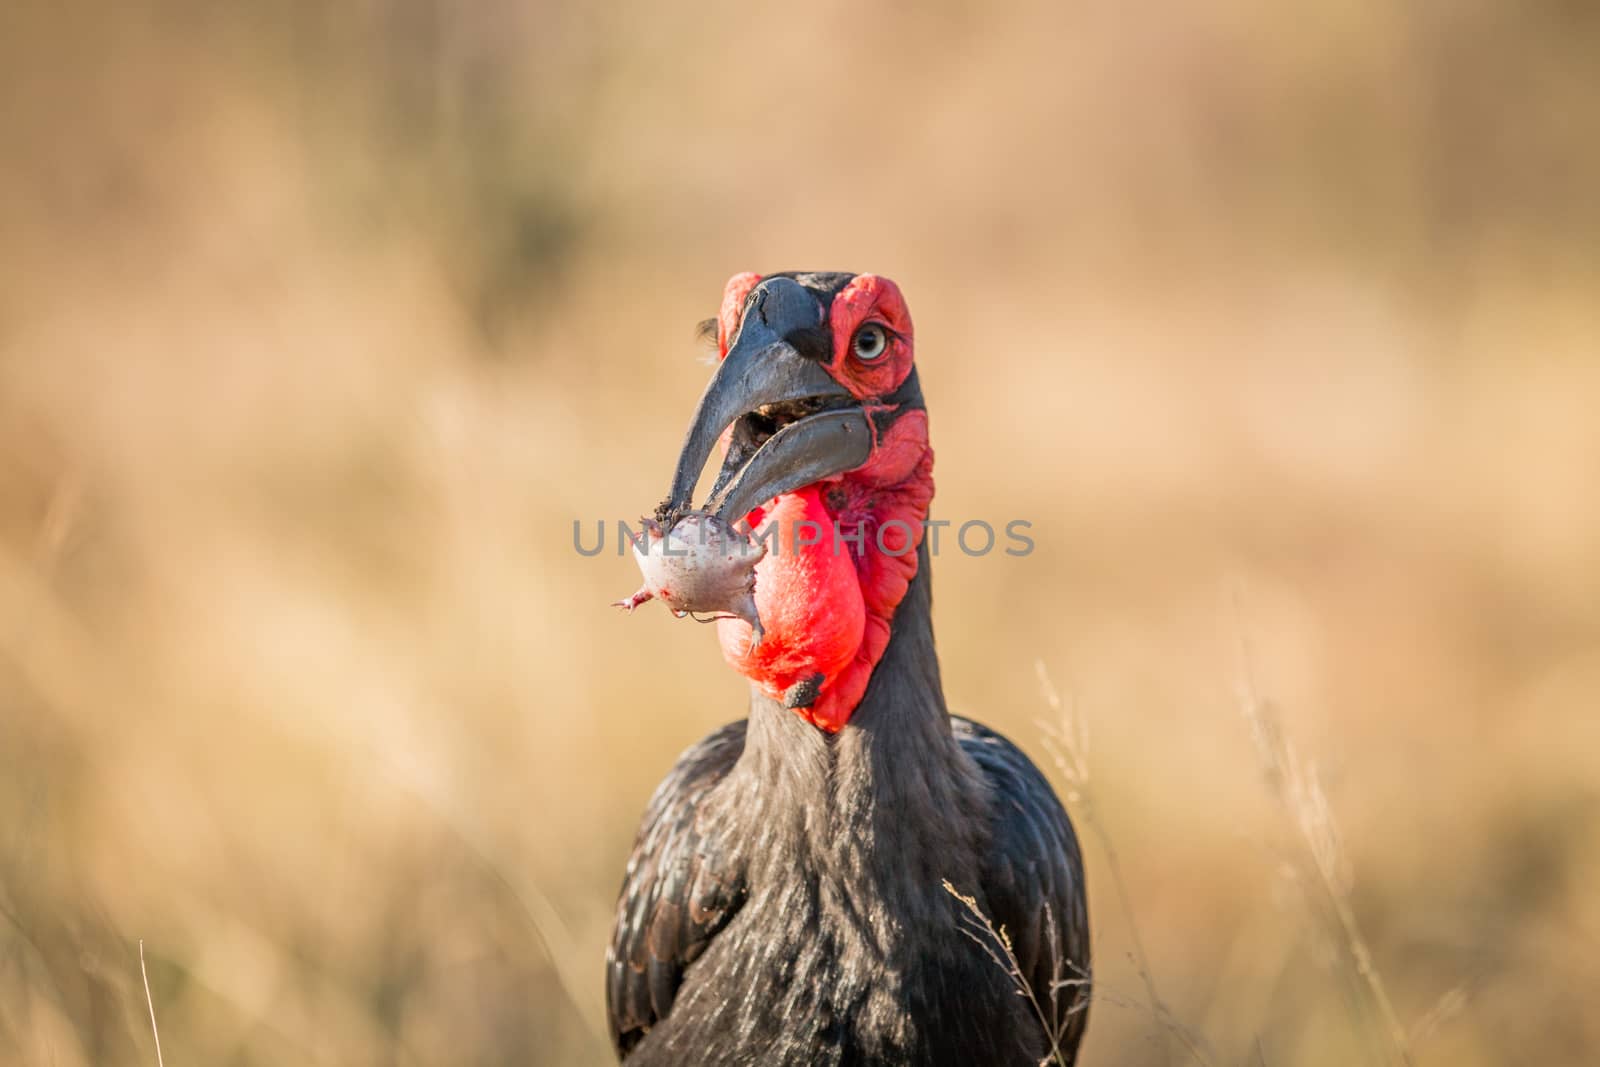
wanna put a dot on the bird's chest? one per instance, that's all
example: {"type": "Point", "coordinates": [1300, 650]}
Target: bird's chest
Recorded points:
{"type": "Point", "coordinates": [813, 972]}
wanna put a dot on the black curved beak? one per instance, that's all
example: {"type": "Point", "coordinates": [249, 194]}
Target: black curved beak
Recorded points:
{"type": "Point", "coordinates": [793, 424]}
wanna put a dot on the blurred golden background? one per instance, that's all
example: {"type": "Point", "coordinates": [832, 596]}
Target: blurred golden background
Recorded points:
{"type": "Point", "coordinates": [321, 324]}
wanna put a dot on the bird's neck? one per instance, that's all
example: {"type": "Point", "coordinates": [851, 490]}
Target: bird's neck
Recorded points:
{"type": "Point", "coordinates": [889, 793]}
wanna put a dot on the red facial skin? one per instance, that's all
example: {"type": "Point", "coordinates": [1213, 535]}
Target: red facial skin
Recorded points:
{"type": "Point", "coordinates": [827, 607]}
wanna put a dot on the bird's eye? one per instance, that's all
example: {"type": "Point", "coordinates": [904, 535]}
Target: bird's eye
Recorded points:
{"type": "Point", "coordinates": [871, 342]}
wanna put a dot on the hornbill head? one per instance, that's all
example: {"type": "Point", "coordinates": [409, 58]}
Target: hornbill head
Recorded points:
{"type": "Point", "coordinates": [817, 409]}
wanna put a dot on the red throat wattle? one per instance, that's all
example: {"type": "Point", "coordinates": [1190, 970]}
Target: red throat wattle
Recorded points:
{"type": "Point", "coordinates": [843, 550]}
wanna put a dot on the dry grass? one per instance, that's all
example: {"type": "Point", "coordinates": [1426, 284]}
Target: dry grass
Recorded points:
{"type": "Point", "coordinates": [1319, 865]}
{"type": "Point", "coordinates": [1066, 738]}
{"type": "Point", "coordinates": [319, 325]}
{"type": "Point", "coordinates": [155, 1031]}
{"type": "Point", "coordinates": [996, 944]}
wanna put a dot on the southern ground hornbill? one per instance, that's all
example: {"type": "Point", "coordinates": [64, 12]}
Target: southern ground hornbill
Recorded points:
{"type": "Point", "coordinates": [785, 900]}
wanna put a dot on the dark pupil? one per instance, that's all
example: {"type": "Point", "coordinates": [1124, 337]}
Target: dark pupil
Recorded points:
{"type": "Point", "coordinates": [870, 340]}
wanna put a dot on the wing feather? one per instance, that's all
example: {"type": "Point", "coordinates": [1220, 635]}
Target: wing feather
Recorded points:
{"type": "Point", "coordinates": [682, 886]}
{"type": "Point", "coordinates": [1034, 881]}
